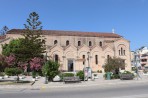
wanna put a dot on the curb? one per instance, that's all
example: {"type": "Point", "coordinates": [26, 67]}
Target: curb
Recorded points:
{"type": "Point", "coordinates": [83, 84]}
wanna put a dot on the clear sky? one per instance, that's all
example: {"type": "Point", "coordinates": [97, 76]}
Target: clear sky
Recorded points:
{"type": "Point", "coordinates": [129, 18]}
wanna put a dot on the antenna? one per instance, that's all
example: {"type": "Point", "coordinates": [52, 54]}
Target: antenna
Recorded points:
{"type": "Point", "coordinates": [113, 30]}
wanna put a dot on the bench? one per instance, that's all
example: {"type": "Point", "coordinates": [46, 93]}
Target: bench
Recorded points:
{"type": "Point", "coordinates": [71, 79]}
{"type": "Point", "coordinates": [126, 76]}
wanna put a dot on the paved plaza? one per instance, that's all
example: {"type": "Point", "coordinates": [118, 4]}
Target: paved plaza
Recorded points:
{"type": "Point", "coordinates": [39, 83]}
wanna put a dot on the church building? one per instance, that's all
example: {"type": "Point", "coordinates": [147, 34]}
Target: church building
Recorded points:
{"type": "Point", "coordinates": [74, 50]}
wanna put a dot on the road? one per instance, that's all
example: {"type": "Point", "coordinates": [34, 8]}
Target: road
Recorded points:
{"type": "Point", "coordinates": [106, 91]}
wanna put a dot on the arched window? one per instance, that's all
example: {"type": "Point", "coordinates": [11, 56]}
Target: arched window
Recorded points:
{"type": "Point", "coordinates": [55, 42]}
{"type": "Point", "coordinates": [124, 52]}
{"type": "Point", "coordinates": [56, 58]}
{"type": "Point", "coordinates": [90, 44]}
{"type": "Point", "coordinates": [96, 57]}
{"type": "Point", "coordinates": [79, 43]}
{"type": "Point", "coordinates": [100, 44]}
{"type": "Point", "coordinates": [67, 43]}
{"type": "Point", "coordinates": [83, 59]}
{"type": "Point", "coordinates": [121, 51]}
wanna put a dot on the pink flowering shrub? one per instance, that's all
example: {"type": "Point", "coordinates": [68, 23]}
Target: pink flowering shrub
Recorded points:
{"type": "Point", "coordinates": [10, 60]}
{"type": "Point", "coordinates": [36, 64]}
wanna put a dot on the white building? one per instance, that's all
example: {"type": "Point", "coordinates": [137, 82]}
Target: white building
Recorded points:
{"type": "Point", "coordinates": [141, 57]}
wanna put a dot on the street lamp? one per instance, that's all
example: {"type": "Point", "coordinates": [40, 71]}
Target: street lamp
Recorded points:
{"type": "Point", "coordinates": [89, 72]}
{"type": "Point", "coordinates": [88, 53]}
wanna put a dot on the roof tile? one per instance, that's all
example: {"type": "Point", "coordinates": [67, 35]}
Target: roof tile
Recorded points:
{"type": "Point", "coordinates": [69, 33]}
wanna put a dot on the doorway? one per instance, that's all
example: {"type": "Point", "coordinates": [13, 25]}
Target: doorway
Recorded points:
{"type": "Point", "coordinates": [70, 65]}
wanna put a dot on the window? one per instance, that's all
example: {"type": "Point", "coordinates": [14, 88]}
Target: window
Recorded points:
{"type": "Point", "coordinates": [108, 58]}
{"type": "Point", "coordinates": [96, 59]}
{"type": "Point", "coordinates": [121, 51]}
{"type": "Point", "coordinates": [79, 43]}
{"type": "Point", "coordinates": [55, 42]}
{"type": "Point", "coordinates": [67, 43]}
{"type": "Point", "coordinates": [90, 44]}
{"type": "Point", "coordinates": [100, 44]}
{"type": "Point", "coordinates": [83, 59]}
{"type": "Point", "coordinates": [124, 52]}
{"type": "Point", "coordinates": [56, 58]}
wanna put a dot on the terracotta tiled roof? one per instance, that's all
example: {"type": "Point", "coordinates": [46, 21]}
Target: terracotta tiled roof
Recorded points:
{"type": "Point", "coordinates": [70, 33]}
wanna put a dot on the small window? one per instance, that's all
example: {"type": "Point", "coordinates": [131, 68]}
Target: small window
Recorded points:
{"type": "Point", "coordinates": [90, 44]}
{"type": "Point", "coordinates": [100, 44]}
{"type": "Point", "coordinates": [83, 59]}
{"type": "Point", "coordinates": [67, 43]}
{"type": "Point", "coordinates": [55, 42]}
{"type": "Point", "coordinates": [79, 43]}
{"type": "Point", "coordinates": [96, 57]}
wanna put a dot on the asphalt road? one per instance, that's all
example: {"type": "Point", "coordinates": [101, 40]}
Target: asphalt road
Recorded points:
{"type": "Point", "coordinates": [106, 91]}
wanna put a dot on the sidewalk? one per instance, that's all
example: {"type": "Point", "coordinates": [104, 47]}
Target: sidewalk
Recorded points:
{"type": "Point", "coordinates": [39, 84]}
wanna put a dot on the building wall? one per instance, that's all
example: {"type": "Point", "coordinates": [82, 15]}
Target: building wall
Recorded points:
{"type": "Point", "coordinates": [110, 46]}
{"type": "Point", "coordinates": [74, 53]}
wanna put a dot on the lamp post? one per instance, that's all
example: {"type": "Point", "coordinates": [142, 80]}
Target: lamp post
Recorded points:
{"type": "Point", "coordinates": [88, 53]}
{"type": "Point", "coordinates": [88, 68]}
{"type": "Point", "coordinates": [84, 69]}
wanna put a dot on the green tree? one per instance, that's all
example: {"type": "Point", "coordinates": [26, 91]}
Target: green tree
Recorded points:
{"type": "Point", "coordinates": [31, 45]}
{"type": "Point", "coordinates": [3, 64]}
{"type": "Point", "coordinates": [50, 69]}
{"type": "Point", "coordinates": [113, 65]}
{"type": "Point", "coordinates": [12, 48]}
{"type": "Point", "coordinates": [34, 41]}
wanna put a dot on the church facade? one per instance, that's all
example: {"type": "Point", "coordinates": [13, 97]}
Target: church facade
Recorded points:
{"type": "Point", "coordinates": [74, 50]}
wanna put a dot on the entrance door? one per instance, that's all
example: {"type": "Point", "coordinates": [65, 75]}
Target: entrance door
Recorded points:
{"type": "Point", "coordinates": [70, 65]}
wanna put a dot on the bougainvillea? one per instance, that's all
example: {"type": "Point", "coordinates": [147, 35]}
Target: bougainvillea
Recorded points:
{"type": "Point", "coordinates": [36, 64]}
{"type": "Point", "coordinates": [23, 65]}
{"type": "Point", "coordinates": [10, 60]}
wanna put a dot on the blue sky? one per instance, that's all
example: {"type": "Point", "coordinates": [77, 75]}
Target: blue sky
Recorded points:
{"type": "Point", "coordinates": [129, 18]}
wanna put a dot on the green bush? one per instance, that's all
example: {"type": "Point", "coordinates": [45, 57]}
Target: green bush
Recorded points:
{"type": "Point", "coordinates": [81, 75]}
{"type": "Point", "coordinates": [115, 76]}
{"type": "Point", "coordinates": [67, 74]}
{"type": "Point", "coordinates": [12, 71]}
{"type": "Point", "coordinates": [50, 69]}
{"type": "Point", "coordinates": [61, 75]}
{"type": "Point", "coordinates": [128, 72]}
{"type": "Point", "coordinates": [99, 71]}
